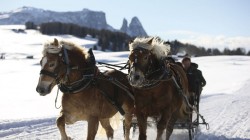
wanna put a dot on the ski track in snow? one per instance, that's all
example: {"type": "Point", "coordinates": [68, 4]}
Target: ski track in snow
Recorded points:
{"type": "Point", "coordinates": [232, 118]}
{"type": "Point", "coordinates": [227, 114]}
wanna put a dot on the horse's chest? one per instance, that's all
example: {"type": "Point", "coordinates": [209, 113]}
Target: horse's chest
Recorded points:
{"type": "Point", "coordinates": [80, 107]}
{"type": "Point", "coordinates": [151, 105]}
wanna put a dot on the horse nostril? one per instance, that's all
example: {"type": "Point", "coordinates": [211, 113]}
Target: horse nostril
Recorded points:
{"type": "Point", "coordinates": [137, 77]}
{"type": "Point", "coordinates": [40, 90]}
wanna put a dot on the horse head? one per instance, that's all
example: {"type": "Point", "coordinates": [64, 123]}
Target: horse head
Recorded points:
{"type": "Point", "coordinates": [51, 65]}
{"type": "Point", "coordinates": [63, 62]}
{"type": "Point", "coordinates": [144, 59]}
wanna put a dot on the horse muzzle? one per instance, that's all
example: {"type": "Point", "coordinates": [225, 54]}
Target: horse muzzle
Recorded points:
{"type": "Point", "coordinates": [43, 91]}
{"type": "Point", "coordinates": [136, 80]}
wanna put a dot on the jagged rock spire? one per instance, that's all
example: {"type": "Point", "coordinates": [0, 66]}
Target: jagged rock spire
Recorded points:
{"type": "Point", "coordinates": [124, 27]}
{"type": "Point", "coordinates": [135, 27]}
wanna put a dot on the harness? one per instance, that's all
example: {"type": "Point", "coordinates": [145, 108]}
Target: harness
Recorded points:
{"type": "Point", "coordinates": [167, 74]}
{"type": "Point", "coordinates": [87, 81]}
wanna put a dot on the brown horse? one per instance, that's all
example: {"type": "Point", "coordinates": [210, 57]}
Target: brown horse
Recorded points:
{"type": "Point", "coordinates": [88, 94]}
{"type": "Point", "coordinates": [157, 85]}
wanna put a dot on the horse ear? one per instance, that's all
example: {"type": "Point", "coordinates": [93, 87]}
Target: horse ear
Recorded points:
{"type": "Point", "coordinates": [150, 41]}
{"type": "Point", "coordinates": [56, 43]}
{"type": "Point", "coordinates": [167, 43]}
{"type": "Point", "coordinates": [91, 57]}
{"type": "Point", "coordinates": [130, 41]}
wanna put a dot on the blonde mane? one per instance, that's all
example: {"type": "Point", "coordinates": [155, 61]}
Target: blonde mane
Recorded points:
{"type": "Point", "coordinates": [56, 47]}
{"type": "Point", "coordinates": [154, 44]}
{"type": "Point", "coordinates": [51, 47]}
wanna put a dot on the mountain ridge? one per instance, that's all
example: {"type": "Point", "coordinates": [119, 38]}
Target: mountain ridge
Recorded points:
{"type": "Point", "coordinates": [86, 18]}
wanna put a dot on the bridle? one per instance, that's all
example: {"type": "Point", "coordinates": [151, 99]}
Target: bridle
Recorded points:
{"type": "Point", "coordinates": [54, 74]}
{"type": "Point", "coordinates": [150, 74]}
{"type": "Point", "coordinates": [75, 86]}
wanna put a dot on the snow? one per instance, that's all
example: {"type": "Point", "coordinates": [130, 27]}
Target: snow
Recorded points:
{"type": "Point", "coordinates": [28, 116]}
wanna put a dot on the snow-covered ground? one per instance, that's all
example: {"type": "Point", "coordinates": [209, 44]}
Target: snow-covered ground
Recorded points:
{"type": "Point", "coordinates": [25, 115]}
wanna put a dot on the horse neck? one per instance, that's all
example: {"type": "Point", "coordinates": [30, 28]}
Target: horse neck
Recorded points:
{"type": "Point", "coordinates": [78, 65]}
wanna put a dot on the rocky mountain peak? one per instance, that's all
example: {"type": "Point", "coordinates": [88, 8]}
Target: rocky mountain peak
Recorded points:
{"type": "Point", "coordinates": [135, 22]}
{"type": "Point", "coordinates": [124, 27]}
{"type": "Point", "coordinates": [135, 27]}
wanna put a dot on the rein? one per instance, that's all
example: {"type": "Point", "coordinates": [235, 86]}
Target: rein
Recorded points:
{"type": "Point", "coordinates": [114, 65]}
{"type": "Point", "coordinates": [188, 103]}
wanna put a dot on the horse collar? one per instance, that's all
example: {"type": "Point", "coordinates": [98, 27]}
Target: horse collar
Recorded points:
{"type": "Point", "coordinates": [79, 85]}
{"type": "Point", "coordinates": [153, 83]}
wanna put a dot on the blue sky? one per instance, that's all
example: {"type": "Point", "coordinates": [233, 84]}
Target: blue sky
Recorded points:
{"type": "Point", "coordinates": [209, 23]}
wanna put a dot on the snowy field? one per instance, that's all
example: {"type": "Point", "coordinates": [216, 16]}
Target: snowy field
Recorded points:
{"type": "Point", "coordinates": [25, 115]}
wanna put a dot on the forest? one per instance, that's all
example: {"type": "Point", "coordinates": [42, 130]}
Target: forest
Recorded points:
{"type": "Point", "coordinates": [118, 41]}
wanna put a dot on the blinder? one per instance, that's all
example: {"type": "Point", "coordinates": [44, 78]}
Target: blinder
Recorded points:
{"type": "Point", "coordinates": [48, 73]}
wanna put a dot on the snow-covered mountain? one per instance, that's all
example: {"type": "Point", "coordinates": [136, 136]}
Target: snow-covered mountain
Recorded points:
{"type": "Point", "coordinates": [135, 27]}
{"type": "Point", "coordinates": [86, 17]}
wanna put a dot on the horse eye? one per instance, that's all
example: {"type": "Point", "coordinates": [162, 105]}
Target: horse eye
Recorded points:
{"type": "Point", "coordinates": [51, 64]}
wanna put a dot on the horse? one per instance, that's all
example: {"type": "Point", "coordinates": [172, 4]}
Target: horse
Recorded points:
{"type": "Point", "coordinates": [159, 86]}
{"type": "Point", "coordinates": [88, 94]}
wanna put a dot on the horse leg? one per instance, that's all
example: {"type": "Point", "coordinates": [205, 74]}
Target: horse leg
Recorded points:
{"type": "Point", "coordinates": [128, 121]}
{"type": "Point", "coordinates": [93, 123]}
{"type": "Point", "coordinates": [106, 125]}
{"type": "Point", "coordinates": [161, 125]}
{"type": "Point", "coordinates": [61, 126]}
{"type": "Point", "coordinates": [170, 125]}
{"type": "Point", "coordinates": [142, 123]}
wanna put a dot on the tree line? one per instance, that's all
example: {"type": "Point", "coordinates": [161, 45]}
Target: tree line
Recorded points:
{"type": "Point", "coordinates": [118, 41]}
{"type": "Point", "coordinates": [189, 49]}
{"type": "Point", "coordinates": [107, 40]}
